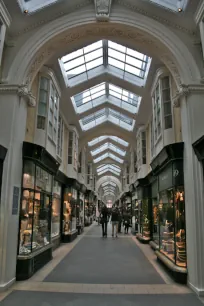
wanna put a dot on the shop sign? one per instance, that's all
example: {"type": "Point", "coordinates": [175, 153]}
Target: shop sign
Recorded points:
{"type": "Point", "coordinates": [165, 178]}
{"type": "Point", "coordinates": [15, 200]}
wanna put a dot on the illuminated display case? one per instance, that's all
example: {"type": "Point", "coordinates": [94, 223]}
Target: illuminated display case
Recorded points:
{"type": "Point", "coordinates": [35, 217]}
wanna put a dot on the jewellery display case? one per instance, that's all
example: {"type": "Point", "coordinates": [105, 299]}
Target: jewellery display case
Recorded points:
{"type": "Point", "coordinates": [56, 214]}
{"type": "Point", "coordinates": [34, 245]}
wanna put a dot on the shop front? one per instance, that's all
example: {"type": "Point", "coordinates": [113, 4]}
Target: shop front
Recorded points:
{"type": "Point", "coordinates": [171, 235]}
{"type": "Point", "coordinates": [56, 214]}
{"type": "Point", "coordinates": [144, 210]}
{"type": "Point", "coordinates": [155, 214]}
{"type": "Point", "coordinates": [134, 211]}
{"type": "Point", "coordinates": [35, 220]}
{"type": "Point", "coordinates": [80, 209]}
{"type": "Point", "coordinates": [69, 218]}
{"type": "Point", "coordinates": [89, 207]}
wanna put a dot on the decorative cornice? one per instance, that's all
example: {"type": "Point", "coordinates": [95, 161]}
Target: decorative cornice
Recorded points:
{"type": "Point", "coordinates": [134, 8]}
{"type": "Point", "coordinates": [102, 8]}
{"type": "Point", "coordinates": [4, 14]}
{"type": "Point", "coordinates": [21, 91]}
{"type": "Point", "coordinates": [186, 90]}
{"type": "Point", "coordinates": [199, 14]}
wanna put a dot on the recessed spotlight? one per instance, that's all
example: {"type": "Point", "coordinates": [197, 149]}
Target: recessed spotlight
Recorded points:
{"type": "Point", "coordinates": [25, 11]}
{"type": "Point", "coordinates": [179, 9]}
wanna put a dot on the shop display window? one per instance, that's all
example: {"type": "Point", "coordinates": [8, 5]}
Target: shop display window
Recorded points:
{"type": "Point", "coordinates": [69, 210]}
{"type": "Point", "coordinates": [145, 220]}
{"type": "Point", "coordinates": [172, 225]}
{"type": "Point", "coordinates": [155, 224]}
{"type": "Point", "coordinates": [80, 210]}
{"type": "Point", "coordinates": [56, 209]}
{"type": "Point", "coordinates": [35, 211]}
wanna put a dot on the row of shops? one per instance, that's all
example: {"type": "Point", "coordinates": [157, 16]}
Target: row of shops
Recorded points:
{"type": "Point", "coordinates": [54, 208]}
{"type": "Point", "coordinates": [157, 205]}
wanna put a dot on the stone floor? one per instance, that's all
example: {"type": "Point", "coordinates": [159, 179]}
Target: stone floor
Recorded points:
{"type": "Point", "coordinates": [96, 271]}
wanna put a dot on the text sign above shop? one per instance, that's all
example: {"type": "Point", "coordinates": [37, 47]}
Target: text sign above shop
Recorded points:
{"type": "Point", "coordinates": [15, 200]}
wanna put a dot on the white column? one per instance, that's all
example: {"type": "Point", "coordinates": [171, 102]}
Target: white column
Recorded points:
{"type": "Point", "coordinates": [192, 115]}
{"type": "Point", "coordinates": [13, 113]}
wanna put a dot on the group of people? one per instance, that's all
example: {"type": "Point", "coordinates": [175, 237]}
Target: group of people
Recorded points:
{"type": "Point", "coordinates": [117, 220]}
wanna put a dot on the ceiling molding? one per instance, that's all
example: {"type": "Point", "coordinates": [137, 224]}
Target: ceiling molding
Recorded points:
{"type": "Point", "coordinates": [134, 8]}
{"type": "Point", "coordinates": [102, 9]}
{"type": "Point", "coordinates": [21, 91]}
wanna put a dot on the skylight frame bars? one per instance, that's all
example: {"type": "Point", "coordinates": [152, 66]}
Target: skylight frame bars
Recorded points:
{"type": "Point", "coordinates": [89, 90]}
{"type": "Point", "coordinates": [85, 62]}
{"type": "Point", "coordinates": [122, 94]}
{"type": "Point", "coordinates": [102, 138]}
{"type": "Point", "coordinates": [108, 170]}
{"type": "Point", "coordinates": [121, 117]}
{"type": "Point", "coordinates": [109, 182]}
{"type": "Point", "coordinates": [108, 146]}
{"type": "Point", "coordinates": [111, 166]}
{"type": "Point", "coordinates": [145, 62]}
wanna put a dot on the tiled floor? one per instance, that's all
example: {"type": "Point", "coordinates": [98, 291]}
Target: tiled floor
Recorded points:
{"type": "Point", "coordinates": [96, 271]}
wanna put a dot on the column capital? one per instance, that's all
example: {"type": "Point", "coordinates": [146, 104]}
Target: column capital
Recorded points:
{"type": "Point", "coordinates": [186, 90]}
{"type": "Point", "coordinates": [21, 91]}
{"type": "Point", "coordinates": [102, 8]}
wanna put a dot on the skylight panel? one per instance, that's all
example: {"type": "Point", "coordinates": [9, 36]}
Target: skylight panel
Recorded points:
{"type": "Point", "coordinates": [107, 114]}
{"type": "Point", "coordinates": [106, 93]}
{"type": "Point", "coordinates": [110, 146]}
{"type": "Point", "coordinates": [108, 155]}
{"type": "Point", "coordinates": [32, 6]}
{"type": "Point", "coordinates": [78, 64]}
{"type": "Point", "coordinates": [102, 138]}
{"type": "Point", "coordinates": [109, 166]}
{"type": "Point", "coordinates": [108, 170]}
{"type": "Point", "coordinates": [128, 62]}
{"type": "Point", "coordinates": [109, 182]}
{"type": "Point", "coordinates": [174, 5]}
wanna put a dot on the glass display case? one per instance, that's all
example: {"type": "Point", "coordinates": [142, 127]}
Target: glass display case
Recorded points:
{"type": "Point", "coordinates": [80, 210]}
{"type": "Point", "coordinates": [172, 242]}
{"type": "Point", "coordinates": [35, 211]}
{"type": "Point", "coordinates": [145, 219]}
{"type": "Point", "coordinates": [56, 209]}
{"type": "Point", "coordinates": [155, 223]}
{"type": "Point", "coordinates": [69, 210]}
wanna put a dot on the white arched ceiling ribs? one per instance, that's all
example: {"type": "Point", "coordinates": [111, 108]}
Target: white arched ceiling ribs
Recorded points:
{"type": "Point", "coordinates": [107, 179]}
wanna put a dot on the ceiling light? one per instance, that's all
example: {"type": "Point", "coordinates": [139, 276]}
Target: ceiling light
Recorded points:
{"type": "Point", "coordinates": [25, 11]}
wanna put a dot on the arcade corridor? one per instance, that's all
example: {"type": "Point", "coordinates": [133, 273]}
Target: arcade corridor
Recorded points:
{"type": "Point", "coordinates": [94, 271]}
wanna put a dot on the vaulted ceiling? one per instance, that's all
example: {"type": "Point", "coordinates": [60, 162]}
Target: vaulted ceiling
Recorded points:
{"type": "Point", "coordinates": [105, 84]}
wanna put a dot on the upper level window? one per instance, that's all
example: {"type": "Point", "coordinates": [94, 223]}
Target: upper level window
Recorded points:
{"type": "Point", "coordinates": [60, 136]}
{"type": "Point", "coordinates": [166, 102]}
{"type": "Point", "coordinates": [53, 113]}
{"type": "Point", "coordinates": [157, 112]}
{"type": "Point", "coordinates": [43, 102]}
{"type": "Point", "coordinates": [105, 57]}
{"type": "Point", "coordinates": [70, 147]}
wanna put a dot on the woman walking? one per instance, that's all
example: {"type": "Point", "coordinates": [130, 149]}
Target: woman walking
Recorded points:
{"type": "Point", "coordinates": [126, 222]}
{"type": "Point", "coordinates": [104, 220]}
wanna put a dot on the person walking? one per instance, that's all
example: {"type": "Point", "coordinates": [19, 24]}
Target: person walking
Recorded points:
{"type": "Point", "coordinates": [119, 221]}
{"type": "Point", "coordinates": [126, 222]}
{"type": "Point", "coordinates": [115, 221]}
{"type": "Point", "coordinates": [104, 220]}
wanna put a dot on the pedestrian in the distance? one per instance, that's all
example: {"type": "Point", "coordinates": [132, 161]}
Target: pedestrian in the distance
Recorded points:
{"type": "Point", "coordinates": [115, 221]}
{"type": "Point", "coordinates": [126, 222]}
{"type": "Point", "coordinates": [104, 220]}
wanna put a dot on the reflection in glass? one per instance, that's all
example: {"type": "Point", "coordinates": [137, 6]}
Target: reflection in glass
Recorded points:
{"type": "Point", "coordinates": [155, 221]}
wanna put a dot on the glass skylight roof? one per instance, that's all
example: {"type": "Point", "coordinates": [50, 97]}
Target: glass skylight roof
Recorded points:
{"type": "Point", "coordinates": [102, 138]}
{"type": "Point", "coordinates": [34, 5]}
{"type": "Point", "coordinates": [109, 146]}
{"type": "Point", "coordinates": [105, 56]}
{"type": "Point", "coordinates": [104, 115]}
{"type": "Point", "coordinates": [173, 5]}
{"type": "Point", "coordinates": [106, 93]}
{"type": "Point", "coordinates": [108, 168]}
{"type": "Point", "coordinates": [108, 155]}
{"type": "Point", "coordinates": [110, 183]}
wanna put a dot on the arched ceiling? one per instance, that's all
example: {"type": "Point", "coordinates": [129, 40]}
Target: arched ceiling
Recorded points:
{"type": "Point", "coordinates": [105, 72]}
